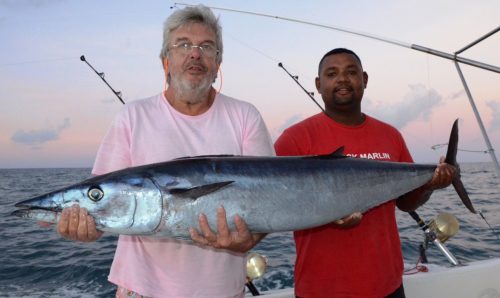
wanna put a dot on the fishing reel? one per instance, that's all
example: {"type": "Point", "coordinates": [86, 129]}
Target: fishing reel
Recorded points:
{"type": "Point", "coordinates": [256, 267]}
{"type": "Point", "coordinates": [438, 231]}
{"type": "Point", "coordinates": [444, 226]}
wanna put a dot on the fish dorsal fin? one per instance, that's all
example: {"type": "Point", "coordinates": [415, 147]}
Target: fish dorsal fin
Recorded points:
{"type": "Point", "coordinates": [338, 153]}
{"type": "Point", "coordinates": [205, 156]}
{"type": "Point", "coordinates": [198, 191]}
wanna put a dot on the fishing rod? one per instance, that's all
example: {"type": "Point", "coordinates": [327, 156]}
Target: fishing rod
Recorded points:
{"type": "Point", "coordinates": [427, 50]}
{"type": "Point", "coordinates": [101, 75]}
{"type": "Point", "coordinates": [296, 79]}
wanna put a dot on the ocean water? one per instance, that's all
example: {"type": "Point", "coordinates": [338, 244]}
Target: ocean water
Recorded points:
{"type": "Point", "coordinates": [36, 262]}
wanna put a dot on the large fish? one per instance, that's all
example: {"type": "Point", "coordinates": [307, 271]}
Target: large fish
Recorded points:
{"type": "Point", "coordinates": [271, 194]}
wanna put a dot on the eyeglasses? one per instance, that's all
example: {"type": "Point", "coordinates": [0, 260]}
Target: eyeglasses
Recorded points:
{"type": "Point", "coordinates": [186, 48]}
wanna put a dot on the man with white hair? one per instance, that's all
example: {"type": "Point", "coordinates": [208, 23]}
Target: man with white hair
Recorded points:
{"type": "Point", "coordinates": [189, 118]}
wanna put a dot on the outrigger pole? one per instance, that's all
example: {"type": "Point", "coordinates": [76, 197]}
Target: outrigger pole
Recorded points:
{"type": "Point", "coordinates": [491, 151]}
{"type": "Point", "coordinates": [454, 57]}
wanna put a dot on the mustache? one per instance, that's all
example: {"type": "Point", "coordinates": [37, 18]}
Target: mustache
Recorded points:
{"type": "Point", "coordinates": [196, 64]}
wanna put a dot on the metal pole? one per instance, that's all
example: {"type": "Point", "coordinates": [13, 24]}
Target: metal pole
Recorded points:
{"type": "Point", "coordinates": [446, 252]}
{"type": "Point", "coordinates": [479, 40]}
{"type": "Point", "coordinates": [456, 58]}
{"type": "Point", "coordinates": [491, 151]}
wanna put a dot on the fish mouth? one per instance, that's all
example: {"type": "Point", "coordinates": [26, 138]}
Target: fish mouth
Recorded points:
{"type": "Point", "coordinates": [24, 208]}
{"type": "Point", "coordinates": [27, 209]}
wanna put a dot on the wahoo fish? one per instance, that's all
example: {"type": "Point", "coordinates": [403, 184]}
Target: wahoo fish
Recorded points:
{"type": "Point", "coordinates": [272, 194]}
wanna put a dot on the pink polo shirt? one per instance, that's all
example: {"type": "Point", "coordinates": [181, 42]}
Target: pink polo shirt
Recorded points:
{"type": "Point", "coordinates": [149, 131]}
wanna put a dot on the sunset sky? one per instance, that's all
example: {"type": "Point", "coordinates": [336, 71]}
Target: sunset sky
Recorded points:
{"type": "Point", "coordinates": [55, 110]}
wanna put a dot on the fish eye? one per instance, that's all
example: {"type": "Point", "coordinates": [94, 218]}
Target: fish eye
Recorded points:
{"type": "Point", "coordinates": [95, 193]}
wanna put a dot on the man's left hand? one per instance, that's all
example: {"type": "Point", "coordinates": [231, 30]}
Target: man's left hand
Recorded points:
{"type": "Point", "coordinates": [240, 240]}
{"type": "Point", "coordinates": [443, 175]}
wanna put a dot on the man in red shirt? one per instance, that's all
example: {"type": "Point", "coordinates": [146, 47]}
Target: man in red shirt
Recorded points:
{"type": "Point", "coordinates": [360, 255]}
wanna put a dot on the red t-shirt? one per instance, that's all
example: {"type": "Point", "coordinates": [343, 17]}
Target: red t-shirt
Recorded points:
{"type": "Point", "coordinates": [364, 261]}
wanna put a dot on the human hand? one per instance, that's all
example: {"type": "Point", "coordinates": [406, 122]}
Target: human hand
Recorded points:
{"type": "Point", "coordinates": [76, 224]}
{"type": "Point", "coordinates": [240, 240]}
{"type": "Point", "coordinates": [349, 221]}
{"type": "Point", "coordinates": [443, 175]}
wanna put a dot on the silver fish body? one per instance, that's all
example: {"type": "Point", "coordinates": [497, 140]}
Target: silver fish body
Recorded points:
{"type": "Point", "coordinates": [271, 194]}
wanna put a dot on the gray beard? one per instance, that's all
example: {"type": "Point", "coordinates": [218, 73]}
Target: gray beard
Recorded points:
{"type": "Point", "coordinates": [191, 93]}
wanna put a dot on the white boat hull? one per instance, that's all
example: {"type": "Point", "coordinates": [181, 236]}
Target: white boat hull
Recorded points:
{"type": "Point", "coordinates": [479, 279]}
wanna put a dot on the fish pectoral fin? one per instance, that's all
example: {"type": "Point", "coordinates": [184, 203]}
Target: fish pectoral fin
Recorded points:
{"type": "Point", "coordinates": [198, 191]}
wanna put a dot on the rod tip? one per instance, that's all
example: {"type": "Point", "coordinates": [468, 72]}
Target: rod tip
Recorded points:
{"type": "Point", "coordinates": [82, 58]}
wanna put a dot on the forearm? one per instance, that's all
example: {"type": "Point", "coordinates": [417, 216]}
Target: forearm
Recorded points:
{"type": "Point", "coordinates": [257, 238]}
{"type": "Point", "coordinates": [415, 198]}
{"type": "Point", "coordinates": [443, 175]}
{"type": "Point", "coordinates": [245, 245]}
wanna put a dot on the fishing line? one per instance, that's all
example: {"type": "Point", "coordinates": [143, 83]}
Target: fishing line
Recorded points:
{"type": "Point", "coordinates": [251, 47]}
{"type": "Point", "coordinates": [101, 75]}
{"type": "Point", "coordinates": [491, 228]}
{"type": "Point", "coordinates": [435, 147]}
{"type": "Point", "coordinates": [294, 77]}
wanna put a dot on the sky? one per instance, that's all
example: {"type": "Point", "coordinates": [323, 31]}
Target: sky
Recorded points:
{"type": "Point", "coordinates": [54, 110]}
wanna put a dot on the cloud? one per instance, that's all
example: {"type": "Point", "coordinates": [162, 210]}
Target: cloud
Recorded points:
{"type": "Point", "coordinates": [289, 122]}
{"type": "Point", "coordinates": [417, 104]}
{"type": "Point", "coordinates": [495, 111]}
{"type": "Point", "coordinates": [27, 3]}
{"type": "Point", "coordinates": [457, 94]}
{"type": "Point", "coordinates": [36, 138]}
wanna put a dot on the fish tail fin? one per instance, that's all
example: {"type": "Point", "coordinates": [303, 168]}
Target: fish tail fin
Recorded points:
{"type": "Point", "coordinates": [451, 158]}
